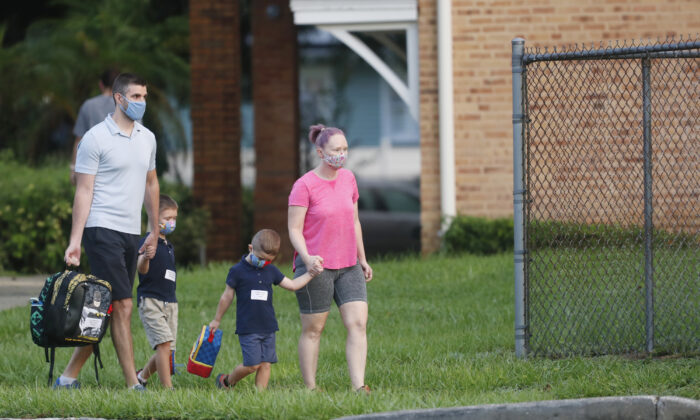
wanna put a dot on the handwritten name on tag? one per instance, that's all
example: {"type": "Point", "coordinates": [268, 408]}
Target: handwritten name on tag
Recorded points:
{"type": "Point", "coordinates": [258, 295]}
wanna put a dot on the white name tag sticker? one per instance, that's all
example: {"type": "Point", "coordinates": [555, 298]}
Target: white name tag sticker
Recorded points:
{"type": "Point", "coordinates": [170, 275]}
{"type": "Point", "coordinates": [258, 295]}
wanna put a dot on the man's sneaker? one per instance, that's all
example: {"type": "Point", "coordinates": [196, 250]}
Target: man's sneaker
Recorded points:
{"type": "Point", "coordinates": [74, 385]}
{"type": "Point", "coordinates": [137, 387]}
{"type": "Point", "coordinates": [221, 381]}
{"type": "Point", "coordinates": [143, 382]}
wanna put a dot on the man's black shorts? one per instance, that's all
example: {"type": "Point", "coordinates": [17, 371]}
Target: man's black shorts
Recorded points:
{"type": "Point", "coordinates": [112, 256]}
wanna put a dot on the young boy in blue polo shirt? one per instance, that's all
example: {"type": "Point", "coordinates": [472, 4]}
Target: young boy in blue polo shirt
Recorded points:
{"type": "Point", "coordinates": [252, 279]}
{"type": "Point", "coordinates": [156, 299]}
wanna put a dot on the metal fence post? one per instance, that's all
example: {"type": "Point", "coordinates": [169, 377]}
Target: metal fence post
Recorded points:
{"type": "Point", "coordinates": [648, 209]}
{"type": "Point", "coordinates": [518, 45]}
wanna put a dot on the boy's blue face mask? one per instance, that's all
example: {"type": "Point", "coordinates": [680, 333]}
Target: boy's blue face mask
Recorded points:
{"type": "Point", "coordinates": [258, 262]}
{"type": "Point", "coordinates": [168, 227]}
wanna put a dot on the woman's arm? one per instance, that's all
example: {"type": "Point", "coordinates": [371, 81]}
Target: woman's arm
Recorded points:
{"type": "Point", "coordinates": [361, 247]}
{"type": "Point", "coordinates": [295, 224]}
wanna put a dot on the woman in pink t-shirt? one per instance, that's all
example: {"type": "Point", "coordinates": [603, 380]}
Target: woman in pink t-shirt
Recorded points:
{"type": "Point", "coordinates": [325, 230]}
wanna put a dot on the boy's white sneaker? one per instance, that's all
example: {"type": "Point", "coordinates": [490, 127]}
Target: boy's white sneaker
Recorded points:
{"type": "Point", "coordinates": [142, 382]}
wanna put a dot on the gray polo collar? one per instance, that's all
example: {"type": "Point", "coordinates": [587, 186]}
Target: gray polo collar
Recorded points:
{"type": "Point", "coordinates": [114, 128]}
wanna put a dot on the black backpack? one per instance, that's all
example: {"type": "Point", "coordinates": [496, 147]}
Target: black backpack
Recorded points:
{"type": "Point", "coordinates": [73, 309]}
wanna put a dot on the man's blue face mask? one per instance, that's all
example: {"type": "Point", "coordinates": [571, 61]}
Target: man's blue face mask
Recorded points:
{"type": "Point", "coordinates": [134, 110]}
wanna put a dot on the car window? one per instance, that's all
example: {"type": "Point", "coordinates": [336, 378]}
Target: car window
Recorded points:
{"type": "Point", "coordinates": [400, 201]}
{"type": "Point", "coordinates": [367, 200]}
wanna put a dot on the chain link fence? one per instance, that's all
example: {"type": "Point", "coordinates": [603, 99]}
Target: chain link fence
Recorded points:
{"type": "Point", "coordinates": [607, 198]}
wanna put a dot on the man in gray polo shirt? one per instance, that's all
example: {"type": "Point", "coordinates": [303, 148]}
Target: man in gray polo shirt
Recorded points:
{"type": "Point", "coordinates": [92, 112]}
{"type": "Point", "coordinates": [115, 174]}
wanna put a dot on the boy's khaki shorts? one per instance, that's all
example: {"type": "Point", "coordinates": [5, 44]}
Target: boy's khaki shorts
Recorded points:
{"type": "Point", "coordinates": [159, 319]}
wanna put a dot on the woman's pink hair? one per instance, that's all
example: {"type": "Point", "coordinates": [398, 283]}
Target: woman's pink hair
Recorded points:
{"type": "Point", "coordinates": [319, 134]}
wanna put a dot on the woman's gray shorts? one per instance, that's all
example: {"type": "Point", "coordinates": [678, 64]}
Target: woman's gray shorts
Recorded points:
{"type": "Point", "coordinates": [343, 285]}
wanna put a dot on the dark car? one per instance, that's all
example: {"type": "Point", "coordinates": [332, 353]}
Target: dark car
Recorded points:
{"type": "Point", "coordinates": [390, 216]}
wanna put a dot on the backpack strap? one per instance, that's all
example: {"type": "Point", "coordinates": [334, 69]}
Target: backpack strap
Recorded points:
{"type": "Point", "coordinates": [50, 361]}
{"type": "Point", "coordinates": [97, 358]}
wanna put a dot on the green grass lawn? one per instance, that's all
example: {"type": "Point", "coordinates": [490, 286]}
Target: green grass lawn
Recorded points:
{"type": "Point", "coordinates": [592, 301]}
{"type": "Point", "coordinates": [440, 335]}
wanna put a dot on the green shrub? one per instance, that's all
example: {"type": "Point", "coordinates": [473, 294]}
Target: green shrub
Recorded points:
{"type": "Point", "coordinates": [488, 236]}
{"type": "Point", "coordinates": [552, 234]}
{"type": "Point", "coordinates": [35, 215]}
{"type": "Point", "coordinates": [477, 235]}
{"type": "Point", "coordinates": [189, 237]}
{"type": "Point", "coordinates": [36, 211]}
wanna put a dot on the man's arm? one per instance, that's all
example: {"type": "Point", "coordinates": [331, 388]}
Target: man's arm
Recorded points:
{"type": "Point", "coordinates": [82, 202]}
{"type": "Point", "coordinates": [151, 200]}
{"type": "Point", "coordinates": [72, 162]}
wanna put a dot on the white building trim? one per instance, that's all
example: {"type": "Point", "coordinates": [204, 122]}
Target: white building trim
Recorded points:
{"type": "Point", "coordinates": [448, 189]}
{"type": "Point", "coordinates": [326, 12]}
{"type": "Point", "coordinates": [340, 17]}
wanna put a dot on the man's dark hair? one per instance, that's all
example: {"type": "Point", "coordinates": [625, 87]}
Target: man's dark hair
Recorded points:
{"type": "Point", "coordinates": [108, 77]}
{"type": "Point", "coordinates": [122, 82]}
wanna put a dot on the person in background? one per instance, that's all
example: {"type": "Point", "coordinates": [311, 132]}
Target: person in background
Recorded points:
{"type": "Point", "coordinates": [92, 112]}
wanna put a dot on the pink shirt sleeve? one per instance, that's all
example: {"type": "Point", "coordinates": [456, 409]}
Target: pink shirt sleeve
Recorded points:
{"type": "Point", "coordinates": [299, 195]}
{"type": "Point", "coordinates": [355, 193]}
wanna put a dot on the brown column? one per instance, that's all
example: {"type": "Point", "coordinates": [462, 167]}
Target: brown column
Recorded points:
{"type": "Point", "coordinates": [275, 93]}
{"type": "Point", "coordinates": [429, 127]}
{"type": "Point", "coordinates": [216, 129]}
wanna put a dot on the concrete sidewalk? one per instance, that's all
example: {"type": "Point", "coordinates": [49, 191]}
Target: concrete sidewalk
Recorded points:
{"type": "Point", "coordinates": [644, 407]}
{"type": "Point", "coordinates": [16, 290]}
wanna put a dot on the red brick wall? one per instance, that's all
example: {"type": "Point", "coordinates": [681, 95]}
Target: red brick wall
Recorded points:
{"type": "Point", "coordinates": [275, 91]}
{"type": "Point", "coordinates": [215, 96]}
{"type": "Point", "coordinates": [482, 31]}
{"type": "Point", "coordinates": [586, 143]}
